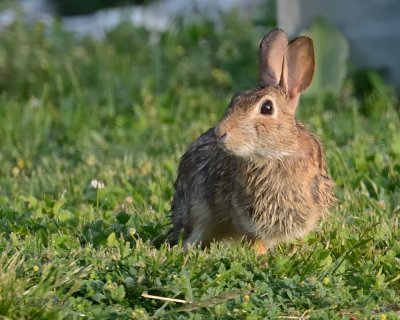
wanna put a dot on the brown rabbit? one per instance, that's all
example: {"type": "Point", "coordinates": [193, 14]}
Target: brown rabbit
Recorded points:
{"type": "Point", "coordinates": [259, 174]}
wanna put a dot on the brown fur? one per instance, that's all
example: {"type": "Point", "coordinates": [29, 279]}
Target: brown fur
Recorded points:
{"type": "Point", "coordinates": [253, 176]}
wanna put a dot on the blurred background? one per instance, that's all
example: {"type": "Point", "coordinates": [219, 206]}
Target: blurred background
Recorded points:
{"type": "Point", "coordinates": [371, 28]}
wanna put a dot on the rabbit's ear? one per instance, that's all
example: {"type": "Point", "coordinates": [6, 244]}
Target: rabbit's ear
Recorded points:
{"type": "Point", "coordinates": [271, 52]}
{"type": "Point", "coordinates": [298, 67]}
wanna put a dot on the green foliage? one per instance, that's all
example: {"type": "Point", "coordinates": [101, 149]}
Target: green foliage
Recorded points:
{"type": "Point", "coordinates": [91, 132]}
{"type": "Point", "coordinates": [331, 53]}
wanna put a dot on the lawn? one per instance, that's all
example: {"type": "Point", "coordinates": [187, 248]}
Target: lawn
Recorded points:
{"type": "Point", "coordinates": [77, 113]}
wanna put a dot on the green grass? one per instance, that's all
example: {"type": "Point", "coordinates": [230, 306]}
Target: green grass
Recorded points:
{"type": "Point", "coordinates": [122, 110]}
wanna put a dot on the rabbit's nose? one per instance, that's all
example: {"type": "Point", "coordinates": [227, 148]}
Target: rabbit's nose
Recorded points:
{"type": "Point", "coordinates": [221, 135]}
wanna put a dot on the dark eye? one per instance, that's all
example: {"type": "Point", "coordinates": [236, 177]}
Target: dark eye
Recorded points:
{"type": "Point", "coordinates": [267, 108]}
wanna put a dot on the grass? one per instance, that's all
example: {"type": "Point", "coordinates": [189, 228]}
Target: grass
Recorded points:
{"type": "Point", "coordinates": [122, 110]}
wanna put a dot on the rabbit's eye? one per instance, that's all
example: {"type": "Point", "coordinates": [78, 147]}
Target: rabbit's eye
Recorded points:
{"type": "Point", "coordinates": [267, 108]}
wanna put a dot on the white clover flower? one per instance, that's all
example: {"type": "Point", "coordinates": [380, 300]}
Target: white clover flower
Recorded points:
{"type": "Point", "coordinates": [95, 184]}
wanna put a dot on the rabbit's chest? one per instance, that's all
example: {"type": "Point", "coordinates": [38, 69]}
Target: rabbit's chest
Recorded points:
{"type": "Point", "coordinates": [272, 200]}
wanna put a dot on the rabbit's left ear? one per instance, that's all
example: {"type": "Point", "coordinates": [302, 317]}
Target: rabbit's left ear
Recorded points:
{"type": "Point", "coordinates": [298, 67]}
{"type": "Point", "coordinates": [271, 51]}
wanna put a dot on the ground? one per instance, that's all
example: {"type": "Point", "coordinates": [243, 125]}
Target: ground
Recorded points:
{"type": "Point", "coordinates": [91, 132]}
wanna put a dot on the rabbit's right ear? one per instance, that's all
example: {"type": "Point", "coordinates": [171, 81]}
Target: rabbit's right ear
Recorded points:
{"type": "Point", "coordinates": [298, 67]}
{"type": "Point", "coordinates": [271, 52]}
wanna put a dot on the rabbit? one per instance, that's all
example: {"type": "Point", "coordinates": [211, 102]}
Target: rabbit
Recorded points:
{"type": "Point", "coordinates": [258, 175]}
